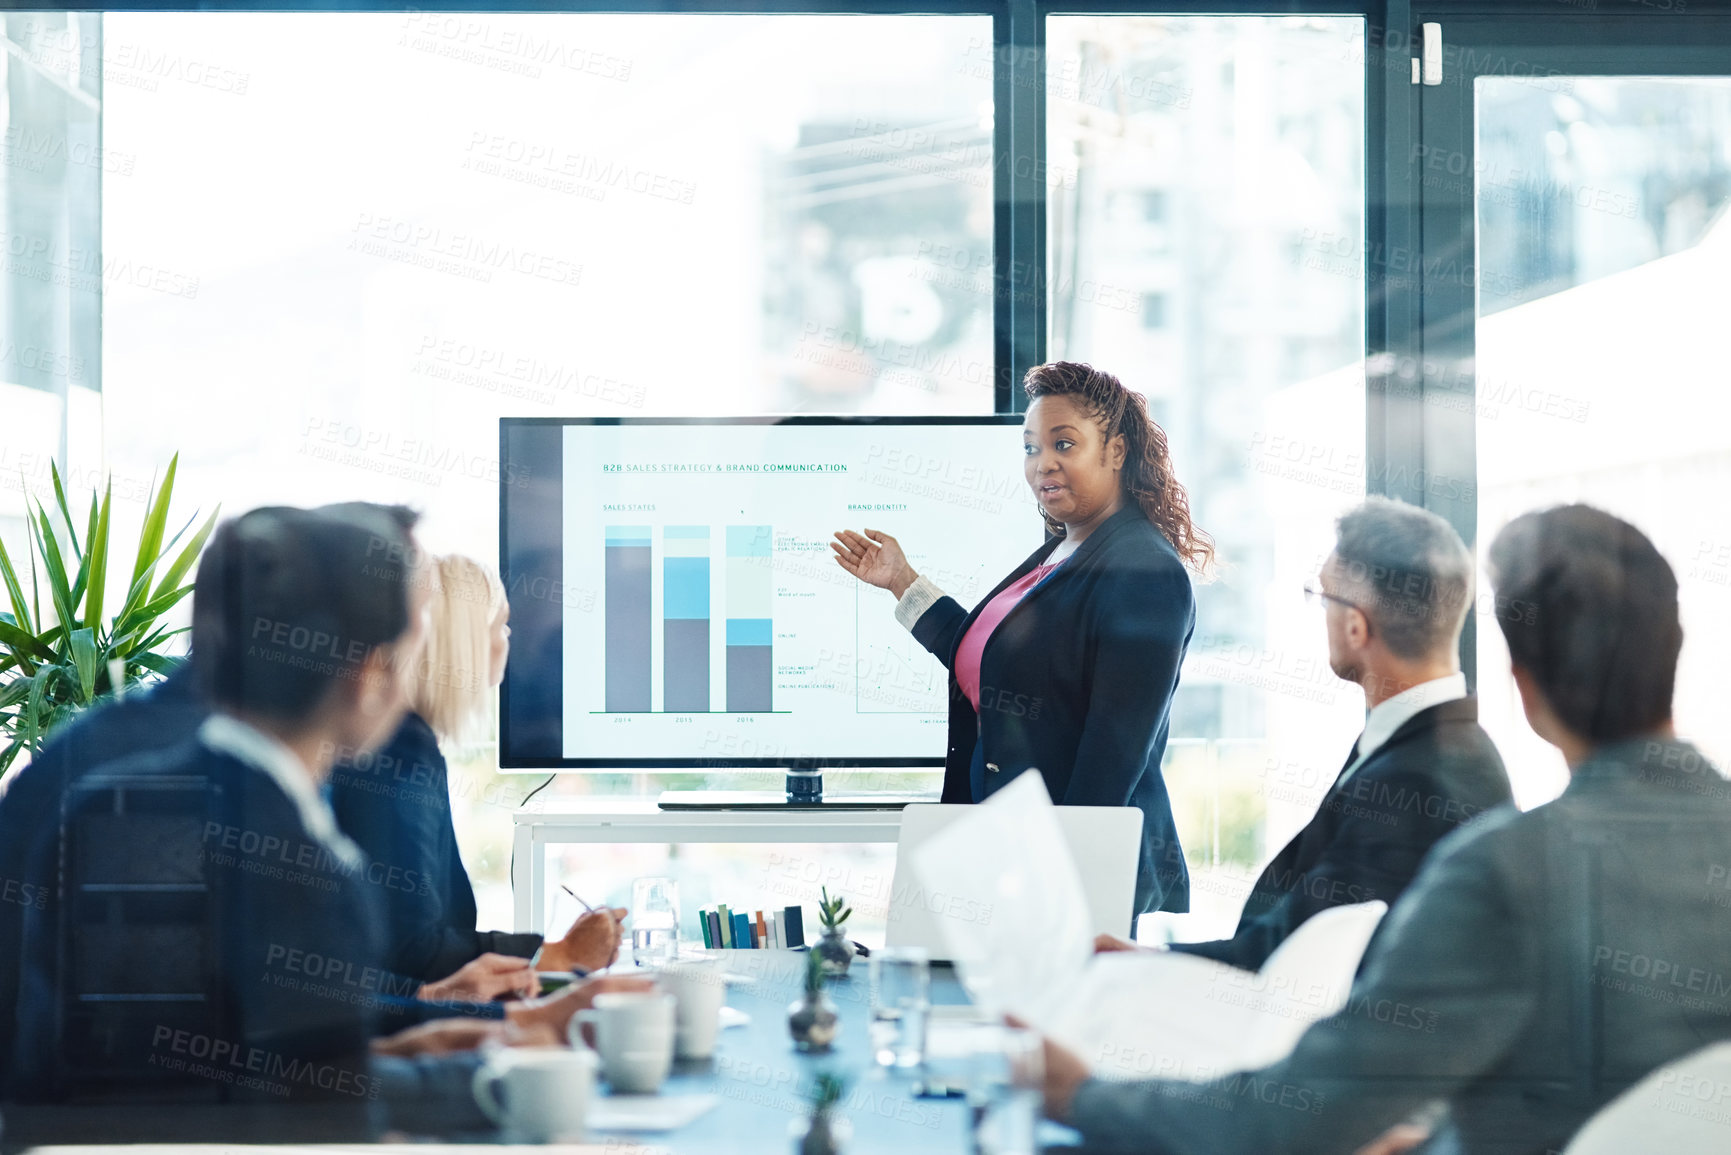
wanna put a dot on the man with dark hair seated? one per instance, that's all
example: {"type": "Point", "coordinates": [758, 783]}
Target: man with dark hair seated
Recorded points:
{"type": "Point", "coordinates": [1542, 962]}
{"type": "Point", "coordinates": [158, 718]}
{"type": "Point", "coordinates": [303, 640]}
{"type": "Point", "coordinates": [1394, 592]}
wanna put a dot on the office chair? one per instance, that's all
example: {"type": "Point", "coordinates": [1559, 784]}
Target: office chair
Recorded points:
{"type": "Point", "coordinates": [1680, 1109]}
{"type": "Point", "coordinates": [136, 941]}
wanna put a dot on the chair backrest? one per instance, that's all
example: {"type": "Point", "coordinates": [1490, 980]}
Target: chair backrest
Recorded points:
{"type": "Point", "coordinates": [1326, 947]}
{"type": "Point", "coordinates": [136, 939]}
{"type": "Point", "coordinates": [1106, 842]}
{"type": "Point", "coordinates": [1683, 1108]}
{"type": "Point", "coordinates": [1309, 976]}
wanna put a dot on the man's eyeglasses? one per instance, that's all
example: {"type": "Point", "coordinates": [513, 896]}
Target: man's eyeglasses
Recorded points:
{"type": "Point", "coordinates": [1316, 596]}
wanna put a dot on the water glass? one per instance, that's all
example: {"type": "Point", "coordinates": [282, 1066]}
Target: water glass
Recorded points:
{"type": "Point", "coordinates": [900, 1001]}
{"type": "Point", "coordinates": [1007, 1074]}
{"type": "Point", "coordinates": [654, 921]}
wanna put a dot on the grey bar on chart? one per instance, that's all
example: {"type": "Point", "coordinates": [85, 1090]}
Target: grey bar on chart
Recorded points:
{"type": "Point", "coordinates": [685, 619]}
{"type": "Point", "coordinates": [750, 625]}
{"type": "Point", "coordinates": [750, 678]}
{"type": "Point", "coordinates": [627, 641]}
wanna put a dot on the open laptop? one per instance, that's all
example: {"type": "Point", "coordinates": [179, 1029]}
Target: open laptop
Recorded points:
{"type": "Point", "coordinates": [1105, 841]}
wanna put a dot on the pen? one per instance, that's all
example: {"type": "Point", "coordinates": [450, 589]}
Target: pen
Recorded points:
{"type": "Point", "coordinates": [535, 959]}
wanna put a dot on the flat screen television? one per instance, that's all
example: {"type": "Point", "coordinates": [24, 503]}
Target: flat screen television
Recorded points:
{"type": "Point", "coordinates": [675, 604]}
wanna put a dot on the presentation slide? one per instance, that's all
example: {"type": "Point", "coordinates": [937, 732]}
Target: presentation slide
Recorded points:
{"type": "Point", "coordinates": [723, 628]}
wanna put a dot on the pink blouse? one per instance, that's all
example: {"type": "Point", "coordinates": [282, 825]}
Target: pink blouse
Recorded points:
{"type": "Point", "coordinates": [980, 632]}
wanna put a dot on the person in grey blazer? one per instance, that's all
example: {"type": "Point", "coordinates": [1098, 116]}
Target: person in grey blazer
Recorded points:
{"type": "Point", "coordinates": [1542, 962]}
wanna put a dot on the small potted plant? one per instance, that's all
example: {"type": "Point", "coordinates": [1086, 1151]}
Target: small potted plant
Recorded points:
{"type": "Point", "coordinates": [834, 948]}
{"type": "Point", "coordinates": [825, 1132]}
{"type": "Point", "coordinates": [812, 1019]}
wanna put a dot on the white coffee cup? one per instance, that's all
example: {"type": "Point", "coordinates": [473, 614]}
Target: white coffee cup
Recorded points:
{"type": "Point", "coordinates": [700, 989]}
{"type": "Point", "coordinates": [633, 1035]}
{"type": "Point", "coordinates": [537, 1094]}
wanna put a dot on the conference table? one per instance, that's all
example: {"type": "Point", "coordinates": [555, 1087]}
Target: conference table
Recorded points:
{"type": "Point", "coordinates": [760, 1082]}
{"type": "Point", "coordinates": [763, 1083]}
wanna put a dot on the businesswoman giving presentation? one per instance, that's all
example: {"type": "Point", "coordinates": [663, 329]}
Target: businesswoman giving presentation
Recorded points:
{"type": "Point", "coordinates": [1068, 666]}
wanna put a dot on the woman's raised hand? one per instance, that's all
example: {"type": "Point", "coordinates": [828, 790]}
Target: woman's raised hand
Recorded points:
{"type": "Point", "coordinates": [875, 558]}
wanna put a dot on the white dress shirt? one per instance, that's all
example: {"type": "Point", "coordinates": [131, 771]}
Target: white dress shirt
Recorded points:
{"type": "Point", "coordinates": [231, 736]}
{"type": "Point", "coordinates": [1391, 714]}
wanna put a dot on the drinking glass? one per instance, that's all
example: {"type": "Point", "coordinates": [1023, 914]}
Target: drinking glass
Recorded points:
{"type": "Point", "coordinates": [654, 921]}
{"type": "Point", "coordinates": [1004, 1086]}
{"type": "Point", "coordinates": [900, 1000]}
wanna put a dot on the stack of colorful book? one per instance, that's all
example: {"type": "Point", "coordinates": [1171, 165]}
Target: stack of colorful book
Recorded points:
{"type": "Point", "coordinates": [726, 929]}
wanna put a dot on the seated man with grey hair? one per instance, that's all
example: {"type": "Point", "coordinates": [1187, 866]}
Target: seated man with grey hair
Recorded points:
{"type": "Point", "coordinates": [1395, 593]}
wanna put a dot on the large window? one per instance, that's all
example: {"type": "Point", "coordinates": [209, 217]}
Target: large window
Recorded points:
{"type": "Point", "coordinates": [377, 234]}
{"type": "Point", "coordinates": [1604, 243]}
{"type": "Point", "coordinates": [1205, 209]}
{"type": "Point", "coordinates": [52, 270]}
{"type": "Point", "coordinates": [381, 232]}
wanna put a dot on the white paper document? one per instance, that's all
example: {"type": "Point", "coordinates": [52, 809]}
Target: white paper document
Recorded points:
{"type": "Point", "coordinates": [1138, 1015]}
{"type": "Point", "coordinates": [1130, 1015]}
{"type": "Point", "coordinates": [1009, 857]}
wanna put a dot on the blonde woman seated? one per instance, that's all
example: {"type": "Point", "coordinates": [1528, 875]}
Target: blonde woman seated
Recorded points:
{"type": "Point", "coordinates": [396, 803]}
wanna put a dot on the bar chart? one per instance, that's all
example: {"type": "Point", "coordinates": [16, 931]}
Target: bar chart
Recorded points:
{"type": "Point", "coordinates": [684, 640]}
{"type": "Point", "coordinates": [716, 627]}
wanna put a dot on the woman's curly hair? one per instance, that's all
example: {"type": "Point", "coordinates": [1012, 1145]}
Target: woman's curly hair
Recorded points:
{"type": "Point", "coordinates": [1148, 478]}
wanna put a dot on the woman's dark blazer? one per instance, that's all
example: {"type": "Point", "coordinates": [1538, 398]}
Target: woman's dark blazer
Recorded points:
{"type": "Point", "coordinates": [1077, 681]}
{"type": "Point", "coordinates": [396, 805]}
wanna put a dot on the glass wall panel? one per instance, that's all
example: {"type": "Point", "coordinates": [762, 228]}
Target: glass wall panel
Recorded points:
{"type": "Point", "coordinates": [51, 269]}
{"type": "Point", "coordinates": [1206, 221]}
{"type": "Point", "coordinates": [1604, 285]}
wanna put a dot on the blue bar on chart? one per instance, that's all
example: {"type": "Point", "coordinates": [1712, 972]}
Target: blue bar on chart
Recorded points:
{"type": "Point", "coordinates": [626, 592]}
{"type": "Point", "coordinates": [685, 619]}
{"type": "Point", "coordinates": [750, 596]}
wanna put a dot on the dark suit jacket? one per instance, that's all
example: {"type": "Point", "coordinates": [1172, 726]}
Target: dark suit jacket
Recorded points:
{"type": "Point", "coordinates": [396, 804]}
{"type": "Point", "coordinates": [1371, 832]}
{"type": "Point", "coordinates": [1077, 681]}
{"type": "Point", "coordinates": [1540, 964]}
{"type": "Point", "coordinates": [164, 715]}
{"type": "Point", "coordinates": [300, 939]}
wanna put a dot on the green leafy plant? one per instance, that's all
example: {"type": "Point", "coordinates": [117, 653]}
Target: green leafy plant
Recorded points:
{"type": "Point", "coordinates": [826, 1131]}
{"type": "Point", "coordinates": [814, 973]}
{"type": "Point", "coordinates": [831, 914]}
{"type": "Point", "coordinates": [54, 665]}
{"type": "Point", "coordinates": [826, 1091]}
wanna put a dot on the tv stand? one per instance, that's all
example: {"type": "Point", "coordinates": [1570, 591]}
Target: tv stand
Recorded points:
{"type": "Point", "coordinates": [773, 800]}
{"type": "Point", "coordinates": [804, 792]}
{"type": "Point", "coordinates": [859, 818]}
